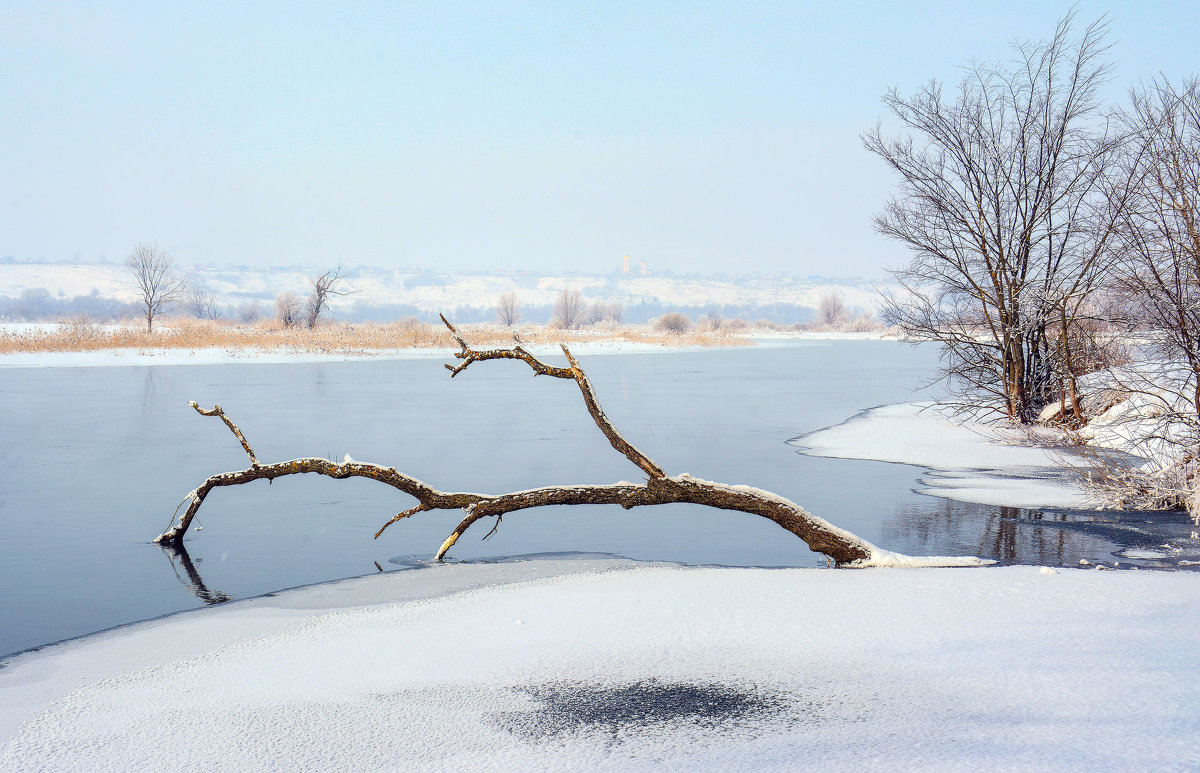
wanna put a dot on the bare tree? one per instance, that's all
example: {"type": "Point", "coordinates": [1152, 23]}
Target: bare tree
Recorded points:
{"type": "Point", "coordinates": [659, 488]}
{"type": "Point", "coordinates": [568, 310]}
{"type": "Point", "coordinates": [1006, 210]}
{"type": "Point", "coordinates": [712, 321]}
{"type": "Point", "coordinates": [508, 309]}
{"type": "Point", "coordinates": [1158, 276]}
{"type": "Point", "coordinates": [830, 310]}
{"type": "Point", "coordinates": [249, 312]}
{"type": "Point", "coordinates": [605, 312]}
{"type": "Point", "coordinates": [287, 309]}
{"type": "Point", "coordinates": [201, 302]}
{"type": "Point", "coordinates": [159, 285]}
{"type": "Point", "coordinates": [323, 286]}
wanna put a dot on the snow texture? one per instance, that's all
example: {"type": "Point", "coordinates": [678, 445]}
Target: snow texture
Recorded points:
{"type": "Point", "coordinates": [599, 666]}
{"type": "Point", "coordinates": [975, 462]}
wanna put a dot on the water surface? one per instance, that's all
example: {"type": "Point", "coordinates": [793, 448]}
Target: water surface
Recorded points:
{"type": "Point", "coordinates": [95, 460]}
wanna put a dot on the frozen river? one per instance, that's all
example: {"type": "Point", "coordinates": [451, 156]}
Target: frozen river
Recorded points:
{"type": "Point", "coordinates": [94, 461]}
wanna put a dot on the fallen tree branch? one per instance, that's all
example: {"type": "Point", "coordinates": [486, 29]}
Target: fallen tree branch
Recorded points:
{"type": "Point", "coordinates": [216, 411]}
{"type": "Point", "coordinates": [658, 489]}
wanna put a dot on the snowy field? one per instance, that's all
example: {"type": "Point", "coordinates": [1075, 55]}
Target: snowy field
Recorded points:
{"type": "Point", "coordinates": [973, 462]}
{"type": "Point", "coordinates": [584, 665]}
{"type": "Point", "coordinates": [257, 356]}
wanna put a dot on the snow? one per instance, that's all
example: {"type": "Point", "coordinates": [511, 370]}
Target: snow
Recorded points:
{"type": "Point", "coordinates": [975, 462]}
{"type": "Point", "coordinates": [881, 558]}
{"type": "Point", "coordinates": [601, 664]}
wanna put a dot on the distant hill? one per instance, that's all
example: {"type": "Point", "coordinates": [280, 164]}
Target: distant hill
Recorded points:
{"type": "Point", "coordinates": [47, 290]}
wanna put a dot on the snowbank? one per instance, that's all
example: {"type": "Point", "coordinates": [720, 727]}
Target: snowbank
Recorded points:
{"type": "Point", "coordinates": [976, 462]}
{"type": "Point", "coordinates": [252, 355]}
{"type": "Point", "coordinates": [635, 668]}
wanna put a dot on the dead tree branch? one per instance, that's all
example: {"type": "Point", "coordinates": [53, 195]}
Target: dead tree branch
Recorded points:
{"type": "Point", "coordinates": [620, 444]}
{"type": "Point", "coordinates": [216, 411]}
{"type": "Point", "coordinates": [658, 489]}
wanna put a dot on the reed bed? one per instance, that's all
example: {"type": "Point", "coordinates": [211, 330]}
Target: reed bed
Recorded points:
{"type": "Point", "coordinates": [80, 335]}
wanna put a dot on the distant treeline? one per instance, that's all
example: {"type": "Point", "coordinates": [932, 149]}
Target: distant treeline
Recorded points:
{"type": "Point", "coordinates": [781, 313]}
{"type": "Point", "coordinates": [39, 305]}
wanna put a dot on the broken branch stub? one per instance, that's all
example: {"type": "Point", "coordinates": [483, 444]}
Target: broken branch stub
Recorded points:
{"type": "Point", "coordinates": [658, 489]}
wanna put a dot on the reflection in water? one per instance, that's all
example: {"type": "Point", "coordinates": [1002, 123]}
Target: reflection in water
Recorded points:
{"type": "Point", "coordinates": [194, 582]}
{"type": "Point", "coordinates": [152, 397]}
{"type": "Point", "coordinates": [1013, 535]}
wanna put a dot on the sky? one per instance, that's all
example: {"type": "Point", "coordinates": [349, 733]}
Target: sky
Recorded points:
{"type": "Point", "coordinates": [699, 137]}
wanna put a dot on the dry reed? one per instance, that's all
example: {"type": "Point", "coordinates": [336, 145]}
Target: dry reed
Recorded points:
{"type": "Point", "coordinates": [79, 335]}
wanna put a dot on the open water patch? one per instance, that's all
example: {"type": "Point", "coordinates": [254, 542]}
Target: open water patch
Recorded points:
{"type": "Point", "coordinates": [571, 708]}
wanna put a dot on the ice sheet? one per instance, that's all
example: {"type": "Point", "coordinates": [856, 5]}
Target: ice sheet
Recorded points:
{"type": "Point", "coordinates": [976, 462]}
{"type": "Point", "coordinates": [637, 668]}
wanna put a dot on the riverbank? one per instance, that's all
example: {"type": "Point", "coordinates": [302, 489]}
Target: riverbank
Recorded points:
{"type": "Point", "coordinates": [615, 665]}
{"type": "Point", "coordinates": [193, 342]}
{"type": "Point", "coordinates": [992, 464]}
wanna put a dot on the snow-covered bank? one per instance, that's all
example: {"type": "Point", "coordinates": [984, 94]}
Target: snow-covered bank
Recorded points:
{"type": "Point", "coordinates": [261, 356]}
{"type": "Point", "coordinates": [975, 462]}
{"type": "Point", "coordinates": [636, 668]}
{"type": "Point", "coordinates": [253, 355]}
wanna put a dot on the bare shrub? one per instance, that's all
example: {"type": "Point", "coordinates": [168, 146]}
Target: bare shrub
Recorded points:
{"type": "Point", "coordinates": [201, 302]}
{"type": "Point", "coordinates": [673, 322]}
{"type": "Point", "coordinates": [287, 309]}
{"type": "Point", "coordinates": [249, 312]}
{"type": "Point", "coordinates": [767, 324]}
{"type": "Point", "coordinates": [864, 323]}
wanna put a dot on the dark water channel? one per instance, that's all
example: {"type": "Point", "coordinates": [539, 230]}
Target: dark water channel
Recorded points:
{"type": "Point", "coordinates": [94, 461]}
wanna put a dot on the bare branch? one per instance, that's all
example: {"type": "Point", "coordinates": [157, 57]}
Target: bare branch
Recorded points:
{"type": "Point", "coordinates": [216, 411]}
{"type": "Point", "coordinates": [843, 547]}
{"type": "Point", "coordinates": [622, 446]}
{"type": "Point", "coordinates": [400, 516]}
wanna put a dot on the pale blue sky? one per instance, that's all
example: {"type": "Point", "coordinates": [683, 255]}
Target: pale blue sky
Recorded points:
{"type": "Point", "coordinates": [695, 136]}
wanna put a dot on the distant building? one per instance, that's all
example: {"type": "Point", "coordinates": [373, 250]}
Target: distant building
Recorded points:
{"type": "Point", "coordinates": [642, 266]}
{"type": "Point", "coordinates": [625, 265]}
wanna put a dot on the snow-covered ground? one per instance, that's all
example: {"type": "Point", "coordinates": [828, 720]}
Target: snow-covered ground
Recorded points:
{"type": "Point", "coordinates": [607, 665]}
{"type": "Point", "coordinates": [973, 462]}
{"type": "Point", "coordinates": [257, 356]}
{"type": "Point", "coordinates": [254, 355]}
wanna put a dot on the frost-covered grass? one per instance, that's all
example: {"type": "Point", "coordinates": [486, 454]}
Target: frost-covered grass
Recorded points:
{"type": "Point", "coordinates": [449, 668]}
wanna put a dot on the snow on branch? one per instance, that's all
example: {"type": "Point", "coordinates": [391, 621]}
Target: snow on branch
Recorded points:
{"type": "Point", "coordinates": [844, 548]}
